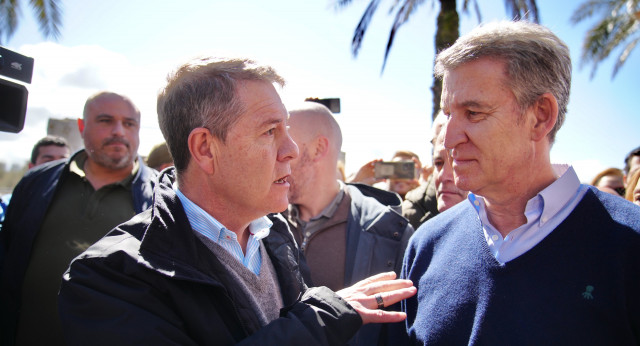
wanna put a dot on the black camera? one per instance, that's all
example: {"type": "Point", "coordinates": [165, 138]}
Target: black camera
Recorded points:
{"type": "Point", "coordinates": [13, 96]}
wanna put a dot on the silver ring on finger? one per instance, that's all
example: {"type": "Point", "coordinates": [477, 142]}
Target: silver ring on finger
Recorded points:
{"type": "Point", "coordinates": [379, 301]}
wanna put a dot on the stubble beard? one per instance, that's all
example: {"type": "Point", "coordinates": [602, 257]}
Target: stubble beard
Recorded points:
{"type": "Point", "coordinates": [113, 163]}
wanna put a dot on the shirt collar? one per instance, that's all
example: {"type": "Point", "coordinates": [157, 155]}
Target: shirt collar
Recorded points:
{"type": "Point", "coordinates": [547, 202]}
{"type": "Point", "coordinates": [205, 224]}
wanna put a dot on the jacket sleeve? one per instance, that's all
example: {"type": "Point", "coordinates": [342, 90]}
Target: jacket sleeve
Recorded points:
{"type": "Point", "coordinates": [100, 306]}
{"type": "Point", "coordinates": [104, 305]}
{"type": "Point", "coordinates": [320, 318]}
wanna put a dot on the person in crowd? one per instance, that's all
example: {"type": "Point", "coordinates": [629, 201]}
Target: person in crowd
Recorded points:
{"type": "Point", "coordinates": [49, 148]}
{"type": "Point", "coordinates": [447, 193]}
{"type": "Point", "coordinates": [632, 193]}
{"type": "Point", "coordinates": [57, 210]}
{"type": "Point", "coordinates": [347, 232]}
{"type": "Point", "coordinates": [631, 163]}
{"type": "Point", "coordinates": [610, 180]}
{"type": "Point", "coordinates": [528, 259]}
{"type": "Point", "coordinates": [402, 186]}
{"type": "Point", "coordinates": [421, 203]}
{"type": "Point", "coordinates": [159, 157]}
{"type": "Point", "coordinates": [205, 265]}
{"type": "Point", "coordinates": [367, 174]}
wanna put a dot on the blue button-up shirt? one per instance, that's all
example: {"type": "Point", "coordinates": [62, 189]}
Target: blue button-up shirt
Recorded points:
{"type": "Point", "coordinates": [544, 213]}
{"type": "Point", "coordinates": [211, 228]}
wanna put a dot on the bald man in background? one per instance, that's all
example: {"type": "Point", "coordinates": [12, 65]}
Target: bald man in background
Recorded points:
{"type": "Point", "coordinates": [347, 232]}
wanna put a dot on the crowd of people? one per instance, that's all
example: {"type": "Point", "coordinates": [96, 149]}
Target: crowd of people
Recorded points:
{"type": "Point", "coordinates": [242, 227]}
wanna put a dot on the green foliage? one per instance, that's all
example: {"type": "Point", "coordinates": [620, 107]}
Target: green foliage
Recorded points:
{"type": "Point", "coordinates": [47, 12]}
{"type": "Point", "coordinates": [617, 29]}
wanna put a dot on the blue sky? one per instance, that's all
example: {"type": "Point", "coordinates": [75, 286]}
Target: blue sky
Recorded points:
{"type": "Point", "coordinates": [130, 46]}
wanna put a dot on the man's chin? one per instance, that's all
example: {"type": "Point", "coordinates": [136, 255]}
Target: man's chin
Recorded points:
{"type": "Point", "coordinates": [114, 162]}
{"type": "Point", "coordinates": [278, 207]}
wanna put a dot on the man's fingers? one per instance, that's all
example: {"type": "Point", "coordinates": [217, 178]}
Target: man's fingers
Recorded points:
{"type": "Point", "coordinates": [381, 316]}
{"type": "Point", "coordinates": [385, 286]}
{"type": "Point", "coordinates": [391, 297]}
{"type": "Point", "coordinates": [376, 278]}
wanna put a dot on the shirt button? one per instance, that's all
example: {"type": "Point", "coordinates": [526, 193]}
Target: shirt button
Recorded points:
{"type": "Point", "coordinates": [494, 237]}
{"type": "Point", "coordinates": [308, 234]}
{"type": "Point", "coordinates": [544, 219]}
{"type": "Point", "coordinates": [476, 202]}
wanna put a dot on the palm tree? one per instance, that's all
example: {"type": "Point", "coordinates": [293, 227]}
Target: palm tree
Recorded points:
{"type": "Point", "coordinates": [47, 13]}
{"type": "Point", "coordinates": [447, 26]}
{"type": "Point", "coordinates": [618, 27]}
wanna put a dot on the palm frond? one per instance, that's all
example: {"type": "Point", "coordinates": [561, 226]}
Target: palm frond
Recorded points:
{"type": "Point", "coordinates": [402, 16]}
{"type": "Point", "coordinates": [465, 8]}
{"type": "Point", "coordinates": [48, 14]}
{"type": "Point", "coordinates": [618, 26]}
{"type": "Point", "coordinates": [361, 29]}
{"type": "Point", "coordinates": [342, 3]}
{"type": "Point", "coordinates": [9, 11]}
{"type": "Point", "coordinates": [587, 9]}
{"type": "Point", "coordinates": [523, 9]}
{"type": "Point", "coordinates": [624, 55]}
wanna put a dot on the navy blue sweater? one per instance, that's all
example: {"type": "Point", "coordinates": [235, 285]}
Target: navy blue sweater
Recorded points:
{"type": "Point", "coordinates": [580, 285]}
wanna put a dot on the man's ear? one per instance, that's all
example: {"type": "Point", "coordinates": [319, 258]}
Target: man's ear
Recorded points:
{"type": "Point", "coordinates": [321, 147]}
{"type": "Point", "coordinates": [200, 144]}
{"type": "Point", "coordinates": [81, 126]}
{"type": "Point", "coordinates": [545, 111]}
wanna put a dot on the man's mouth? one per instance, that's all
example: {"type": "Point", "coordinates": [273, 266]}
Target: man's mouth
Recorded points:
{"type": "Point", "coordinates": [116, 142]}
{"type": "Point", "coordinates": [282, 180]}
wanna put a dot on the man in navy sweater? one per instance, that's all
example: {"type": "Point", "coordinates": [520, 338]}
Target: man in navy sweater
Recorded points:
{"type": "Point", "coordinates": [534, 257]}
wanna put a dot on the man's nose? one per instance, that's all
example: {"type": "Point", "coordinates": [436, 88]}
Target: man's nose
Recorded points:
{"type": "Point", "coordinates": [118, 128]}
{"type": "Point", "coordinates": [288, 150]}
{"type": "Point", "coordinates": [453, 133]}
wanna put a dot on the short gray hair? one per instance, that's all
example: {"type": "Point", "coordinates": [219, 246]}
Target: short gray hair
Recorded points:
{"type": "Point", "coordinates": [537, 61]}
{"type": "Point", "coordinates": [202, 93]}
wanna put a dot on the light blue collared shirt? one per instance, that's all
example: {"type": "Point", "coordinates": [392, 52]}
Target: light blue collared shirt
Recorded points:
{"type": "Point", "coordinates": [211, 228]}
{"type": "Point", "coordinates": [544, 213]}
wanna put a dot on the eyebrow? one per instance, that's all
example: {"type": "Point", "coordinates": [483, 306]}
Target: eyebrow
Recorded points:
{"type": "Point", "coordinates": [105, 115]}
{"type": "Point", "coordinates": [475, 104]}
{"type": "Point", "coordinates": [271, 122]}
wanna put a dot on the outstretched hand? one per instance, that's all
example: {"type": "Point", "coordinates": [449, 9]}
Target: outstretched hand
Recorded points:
{"type": "Point", "coordinates": [362, 297]}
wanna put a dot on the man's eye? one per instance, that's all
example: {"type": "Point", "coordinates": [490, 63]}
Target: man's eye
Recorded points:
{"type": "Point", "coordinates": [271, 131]}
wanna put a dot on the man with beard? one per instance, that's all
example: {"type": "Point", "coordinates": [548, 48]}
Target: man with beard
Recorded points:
{"type": "Point", "coordinates": [346, 231]}
{"type": "Point", "coordinates": [58, 209]}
